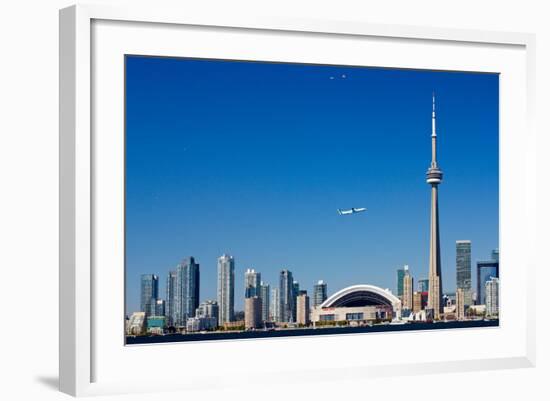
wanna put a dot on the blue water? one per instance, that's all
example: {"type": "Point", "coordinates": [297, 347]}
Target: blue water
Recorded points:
{"type": "Point", "coordinates": [216, 336]}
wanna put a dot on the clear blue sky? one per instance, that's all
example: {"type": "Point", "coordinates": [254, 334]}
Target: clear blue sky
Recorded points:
{"type": "Point", "coordinates": [253, 159]}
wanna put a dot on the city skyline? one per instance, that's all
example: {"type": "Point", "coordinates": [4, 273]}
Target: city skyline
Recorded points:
{"type": "Point", "coordinates": [485, 270]}
{"type": "Point", "coordinates": [377, 267]}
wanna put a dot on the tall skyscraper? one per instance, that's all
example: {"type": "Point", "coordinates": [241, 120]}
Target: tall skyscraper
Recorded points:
{"type": "Point", "coordinates": [295, 293]}
{"type": "Point", "coordinates": [265, 297]}
{"type": "Point", "coordinates": [319, 293]}
{"type": "Point", "coordinates": [460, 303]}
{"type": "Point", "coordinates": [407, 290]}
{"type": "Point", "coordinates": [302, 308]}
{"type": "Point", "coordinates": [464, 269]}
{"type": "Point", "coordinates": [417, 301]}
{"type": "Point", "coordinates": [226, 289]}
{"type": "Point", "coordinates": [485, 270]}
{"type": "Point", "coordinates": [160, 307]}
{"type": "Point", "coordinates": [423, 285]}
{"type": "Point", "coordinates": [276, 315]}
{"type": "Point", "coordinates": [187, 290]}
{"type": "Point", "coordinates": [495, 255]}
{"type": "Point", "coordinates": [286, 293]}
{"type": "Point", "coordinates": [400, 275]}
{"type": "Point", "coordinates": [171, 298]}
{"type": "Point", "coordinates": [252, 281]}
{"type": "Point", "coordinates": [491, 297]}
{"type": "Point", "coordinates": [252, 312]}
{"type": "Point", "coordinates": [149, 293]}
{"type": "Point", "coordinates": [434, 177]}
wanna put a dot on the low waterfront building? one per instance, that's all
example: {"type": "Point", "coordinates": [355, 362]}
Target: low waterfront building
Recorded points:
{"type": "Point", "coordinates": [235, 325]}
{"type": "Point", "coordinates": [137, 324]}
{"type": "Point", "coordinates": [156, 324]}
{"type": "Point", "coordinates": [358, 303]}
{"type": "Point", "coordinates": [194, 324]}
{"type": "Point", "coordinates": [420, 316]}
{"type": "Point", "coordinates": [476, 310]}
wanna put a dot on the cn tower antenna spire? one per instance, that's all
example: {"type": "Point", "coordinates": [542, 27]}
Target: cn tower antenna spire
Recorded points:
{"type": "Point", "coordinates": [434, 134]}
{"type": "Point", "coordinates": [433, 115]}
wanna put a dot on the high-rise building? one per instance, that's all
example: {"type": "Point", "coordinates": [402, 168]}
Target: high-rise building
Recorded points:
{"type": "Point", "coordinates": [265, 297]}
{"type": "Point", "coordinates": [400, 276]}
{"type": "Point", "coordinates": [495, 255]}
{"type": "Point", "coordinates": [302, 308]}
{"type": "Point", "coordinates": [460, 303]}
{"type": "Point", "coordinates": [149, 293]}
{"type": "Point", "coordinates": [417, 302]}
{"type": "Point", "coordinates": [319, 293]}
{"type": "Point", "coordinates": [491, 297]}
{"type": "Point", "coordinates": [276, 315]}
{"type": "Point", "coordinates": [208, 309]}
{"type": "Point", "coordinates": [160, 307]}
{"type": "Point", "coordinates": [286, 293]}
{"type": "Point", "coordinates": [187, 290]}
{"type": "Point", "coordinates": [171, 298]}
{"type": "Point", "coordinates": [295, 293]}
{"type": "Point", "coordinates": [226, 289]}
{"type": "Point", "coordinates": [252, 312]}
{"type": "Point", "coordinates": [434, 177]}
{"type": "Point", "coordinates": [485, 270]}
{"type": "Point", "coordinates": [407, 290]}
{"type": "Point", "coordinates": [464, 269]}
{"type": "Point", "coordinates": [252, 281]}
{"type": "Point", "coordinates": [423, 285]}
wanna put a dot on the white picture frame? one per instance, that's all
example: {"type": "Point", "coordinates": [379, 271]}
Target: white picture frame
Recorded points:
{"type": "Point", "coordinates": [79, 343]}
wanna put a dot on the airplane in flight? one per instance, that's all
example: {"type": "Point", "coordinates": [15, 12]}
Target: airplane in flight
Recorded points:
{"type": "Point", "coordinates": [352, 210]}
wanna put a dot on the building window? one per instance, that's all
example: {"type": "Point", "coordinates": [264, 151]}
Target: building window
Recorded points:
{"type": "Point", "coordinates": [354, 316]}
{"type": "Point", "coordinates": [326, 318]}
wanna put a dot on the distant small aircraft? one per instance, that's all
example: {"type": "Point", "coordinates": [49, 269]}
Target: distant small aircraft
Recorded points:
{"type": "Point", "coordinates": [351, 211]}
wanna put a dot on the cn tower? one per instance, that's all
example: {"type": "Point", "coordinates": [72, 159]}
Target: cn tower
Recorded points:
{"type": "Point", "coordinates": [433, 178]}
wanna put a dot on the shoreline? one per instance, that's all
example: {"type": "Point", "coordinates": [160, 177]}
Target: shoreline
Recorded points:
{"type": "Point", "coordinates": [297, 332]}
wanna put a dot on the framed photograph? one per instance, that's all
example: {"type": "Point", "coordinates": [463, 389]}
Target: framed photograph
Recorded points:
{"type": "Point", "coordinates": [320, 189]}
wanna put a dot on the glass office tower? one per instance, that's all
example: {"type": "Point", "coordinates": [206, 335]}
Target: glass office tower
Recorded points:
{"type": "Point", "coordinates": [464, 269]}
{"type": "Point", "coordinates": [226, 289]}
{"type": "Point", "coordinates": [286, 293]}
{"type": "Point", "coordinates": [319, 293]}
{"type": "Point", "coordinates": [187, 290]}
{"type": "Point", "coordinates": [485, 271]}
{"type": "Point", "coordinates": [149, 293]}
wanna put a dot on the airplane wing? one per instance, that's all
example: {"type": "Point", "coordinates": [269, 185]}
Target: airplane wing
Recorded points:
{"type": "Point", "coordinates": [359, 209]}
